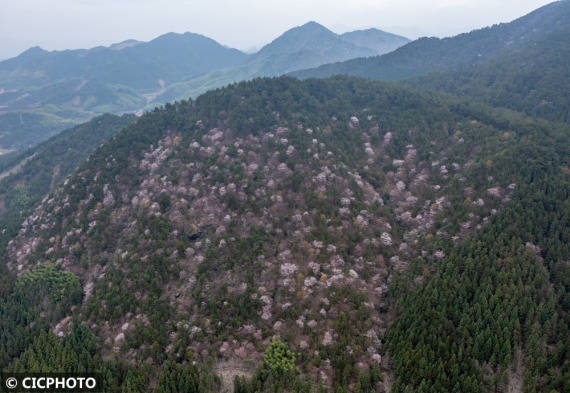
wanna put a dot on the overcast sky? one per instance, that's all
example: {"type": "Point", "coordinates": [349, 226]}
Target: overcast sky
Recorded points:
{"type": "Point", "coordinates": [70, 24]}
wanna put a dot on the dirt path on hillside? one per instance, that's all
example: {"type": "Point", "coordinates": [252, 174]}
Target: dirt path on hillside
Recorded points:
{"type": "Point", "coordinates": [228, 370]}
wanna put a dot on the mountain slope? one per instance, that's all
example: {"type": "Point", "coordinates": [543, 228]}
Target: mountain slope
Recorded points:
{"type": "Point", "coordinates": [533, 78]}
{"type": "Point", "coordinates": [43, 92]}
{"type": "Point", "coordinates": [314, 210]}
{"type": "Point", "coordinates": [313, 38]}
{"type": "Point", "coordinates": [309, 45]}
{"type": "Point", "coordinates": [137, 65]}
{"type": "Point", "coordinates": [21, 130]}
{"type": "Point", "coordinates": [29, 176]}
{"type": "Point", "coordinates": [433, 54]}
{"type": "Point", "coordinates": [381, 41]}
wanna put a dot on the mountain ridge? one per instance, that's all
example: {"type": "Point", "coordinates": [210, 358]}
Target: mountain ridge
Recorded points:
{"type": "Point", "coordinates": [430, 54]}
{"type": "Point", "coordinates": [374, 38]}
{"type": "Point", "coordinates": [533, 78]}
{"type": "Point", "coordinates": [299, 47]}
{"type": "Point", "coordinates": [54, 89]}
{"type": "Point", "coordinates": [311, 36]}
{"type": "Point", "coordinates": [30, 175]}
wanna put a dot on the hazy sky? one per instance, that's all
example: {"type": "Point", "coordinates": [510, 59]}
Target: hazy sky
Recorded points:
{"type": "Point", "coordinates": [70, 24]}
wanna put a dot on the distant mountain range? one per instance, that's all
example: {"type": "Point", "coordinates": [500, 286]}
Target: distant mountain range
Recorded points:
{"type": "Point", "coordinates": [433, 54]}
{"type": "Point", "coordinates": [133, 64]}
{"type": "Point", "coordinates": [302, 47]}
{"type": "Point", "coordinates": [43, 92]}
{"type": "Point", "coordinates": [375, 39]}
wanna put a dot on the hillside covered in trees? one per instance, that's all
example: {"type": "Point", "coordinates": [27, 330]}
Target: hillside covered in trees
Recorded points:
{"type": "Point", "coordinates": [534, 78]}
{"type": "Point", "coordinates": [28, 176]}
{"type": "Point", "coordinates": [430, 54]}
{"type": "Point", "coordinates": [334, 235]}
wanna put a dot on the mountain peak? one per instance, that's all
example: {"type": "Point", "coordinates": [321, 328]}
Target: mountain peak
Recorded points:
{"type": "Point", "coordinates": [303, 37]}
{"type": "Point", "coordinates": [312, 25]}
{"type": "Point", "coordinates": [33, 51]}
{"type": "Point", "coordinates": [429, 54]}
{"type": "Point", "coordinates": [379, 40]}
{"type": "Point", "coordinates": [125, 44]}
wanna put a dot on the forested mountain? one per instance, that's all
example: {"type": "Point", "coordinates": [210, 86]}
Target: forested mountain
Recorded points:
{"type": "Point", "coordinates": [43, 92]}
{"type": "Point", "coordinates": [392, 239]}
{"type": "Point", "coordinates": [282, 235]}
{"type": "Point", "coordinates": [27, 177]}
{"type": "Point", "coordinates": [432, 54]}
{"type": "Point", "coordinates": [533, 78]}
{"type": "Point", "coordinates": [379, 40]}
{"type": "Point", "coordinates": [309, 45]}
{"type": "Point", "coordinates": [133, 64]}
{"type": "Point", "coordinates": [313, 37]}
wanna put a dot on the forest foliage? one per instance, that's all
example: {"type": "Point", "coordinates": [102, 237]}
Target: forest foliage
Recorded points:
{"type": "Point", "coordinates": [498, 293]}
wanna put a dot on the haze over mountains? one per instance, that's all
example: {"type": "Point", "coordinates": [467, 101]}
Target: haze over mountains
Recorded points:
{"type": "Point", "coordinates": [523, 65]}
{"type": "Point", "coordinates": [42, 92]}
{"type": "Point", "coordinates": [316, 235]}
{"type": "Point", "coordinates": [299, 48]}
{"type": "Point", "coordinates": [431, 54]}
